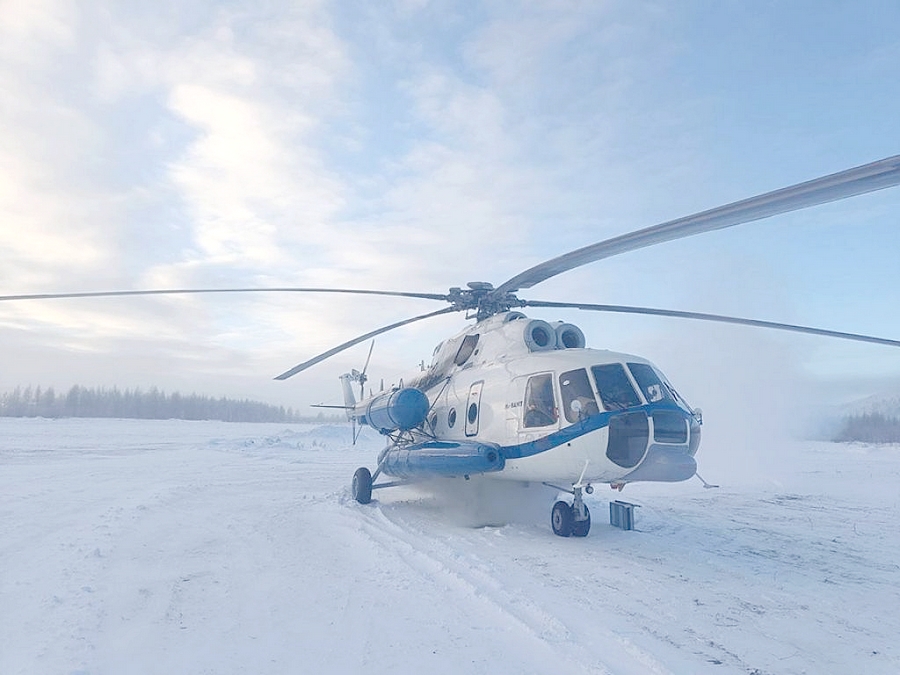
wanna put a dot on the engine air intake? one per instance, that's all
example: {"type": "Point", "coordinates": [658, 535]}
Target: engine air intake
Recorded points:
{"type": "Point", "coordinates": [569, 336]}
{"type": "Point", "coordinates": [539, 336]}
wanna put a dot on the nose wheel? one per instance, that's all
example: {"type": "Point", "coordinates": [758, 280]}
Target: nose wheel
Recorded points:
{"type": "Point", "coordinates": [571, 520]}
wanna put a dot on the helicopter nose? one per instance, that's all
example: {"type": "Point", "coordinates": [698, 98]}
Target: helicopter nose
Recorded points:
{"type": "Point", "coordinates": [664, 463]}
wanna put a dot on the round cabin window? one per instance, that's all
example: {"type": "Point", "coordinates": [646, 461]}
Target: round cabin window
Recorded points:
{"type": "Point", "coordinates": [473, 413]}
{"type": "Point", "coordinates": [451, 417]}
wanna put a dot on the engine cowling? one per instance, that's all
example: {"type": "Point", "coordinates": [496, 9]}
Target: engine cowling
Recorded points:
{"type": "Point", "coordinates": [539, 336]}
{"type": "Point", "coordinates": [569, 336]}
{"type": "Point", "coordinates": [401, 409]}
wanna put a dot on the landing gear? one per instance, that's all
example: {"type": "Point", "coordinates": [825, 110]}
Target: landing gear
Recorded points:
{"type": "Point", "coordinates": [572, 520]}
{"type": "Point", "coordinates": [363, 481]}
{"type": "Point", "coordinates": [362, 485]}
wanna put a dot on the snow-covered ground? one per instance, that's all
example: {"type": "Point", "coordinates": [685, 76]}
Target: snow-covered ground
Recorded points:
{"type": "Point", "coordinates": [201, 547]}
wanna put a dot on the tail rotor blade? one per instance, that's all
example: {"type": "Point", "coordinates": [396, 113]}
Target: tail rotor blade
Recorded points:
{"type": "Point", "coordinates": [362, 375]}
{"type": "Point", "coordinates": [371, 347]}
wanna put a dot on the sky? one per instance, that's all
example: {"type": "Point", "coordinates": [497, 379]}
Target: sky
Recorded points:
{"type": "Point", "coordinates": [416, 145]}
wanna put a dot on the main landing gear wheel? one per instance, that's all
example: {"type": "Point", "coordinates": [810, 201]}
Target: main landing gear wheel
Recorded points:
{"type": "Point", "coordinates": [561, 519]}
{"type": "Point", "coordinates": [362, 485]}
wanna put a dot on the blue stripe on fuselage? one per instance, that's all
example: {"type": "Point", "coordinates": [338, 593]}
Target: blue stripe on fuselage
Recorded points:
{"type": "Point", "coordinates": [578, 429]}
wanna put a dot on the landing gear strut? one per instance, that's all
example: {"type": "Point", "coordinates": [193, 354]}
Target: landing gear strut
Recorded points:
{"type": "Point", "coordinates": [364, 481]}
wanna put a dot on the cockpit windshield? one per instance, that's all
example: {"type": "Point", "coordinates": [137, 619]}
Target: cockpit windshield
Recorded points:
{"type": "Point", "coordinates": [650, 383]}
{"type": "Point", "coordinates": [615, 388]}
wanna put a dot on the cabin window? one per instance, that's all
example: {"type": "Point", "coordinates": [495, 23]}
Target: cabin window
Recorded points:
{"type": "Point", "coordinates": [540, 403]}
{"type": "Point", "coordinates": [614, 386]}
{"type": "Point", "coordinates": [473, 413]}
{"type": "Point", "coordinates": [669, 427]}
{"type": "Point", "coordinates": [465, 349]}
{"type": "Point", "coordinates": [652, 387]}
{"type": "Point", "coordinates": [577, 396]}
{"type": "Point", "coordinates": [451, 417]}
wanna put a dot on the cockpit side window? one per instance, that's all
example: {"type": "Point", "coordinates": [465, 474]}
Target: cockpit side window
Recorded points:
{"type": "Point", "coordinates": [577, 397]}
{"type": "Point", "coordinates": [465, 349]}
{"type": "Point", "coordinates": [540, 403]}
{"type": "Point", "coordinates": [652, 387]}
{"type": "Point", "coordinates": [615, 388]}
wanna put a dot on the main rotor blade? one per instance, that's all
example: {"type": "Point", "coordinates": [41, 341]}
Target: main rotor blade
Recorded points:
{"type": "Point", "coordinates": [190, 291]}
{"type": "Point", "coordinates": [362, 338]}
{"type": "Point", "coordinates": [867, 178]}
{"type": "Point", "coordinates": [624, 309]}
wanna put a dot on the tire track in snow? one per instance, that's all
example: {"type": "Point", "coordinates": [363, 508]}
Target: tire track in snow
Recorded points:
{"type": "Point", "coordinates": [475, 578]}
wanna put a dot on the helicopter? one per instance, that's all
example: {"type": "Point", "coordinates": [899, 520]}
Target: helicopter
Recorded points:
{"type": "Point", "coordinates": [523, 399]}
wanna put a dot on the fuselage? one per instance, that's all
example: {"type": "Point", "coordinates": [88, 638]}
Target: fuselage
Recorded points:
{"type": "Point", "coordinates": [554, 410]}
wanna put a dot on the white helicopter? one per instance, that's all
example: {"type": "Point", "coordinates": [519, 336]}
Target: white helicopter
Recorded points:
{"type": "Point", "coordinates": [521, 399]}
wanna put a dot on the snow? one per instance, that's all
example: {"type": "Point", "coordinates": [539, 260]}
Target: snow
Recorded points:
{"type": "Point", "coordinates": [204, 547]}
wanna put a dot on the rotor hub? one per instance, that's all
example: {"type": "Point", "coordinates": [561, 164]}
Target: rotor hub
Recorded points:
{"type": "Point", "coordinates": [482, 298]}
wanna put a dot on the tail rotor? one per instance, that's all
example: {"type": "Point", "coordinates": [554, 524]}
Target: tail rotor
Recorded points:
{"type": "Point", "coordinates": [362, 378]}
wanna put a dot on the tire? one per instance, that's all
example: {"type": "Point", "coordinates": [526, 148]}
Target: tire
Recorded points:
{"type": "Point", "coordinates": [362, 485]}
{"type": "Point", "coordinates": [580, 528]}
{"type": "Point", "coordinates": [561, 519]}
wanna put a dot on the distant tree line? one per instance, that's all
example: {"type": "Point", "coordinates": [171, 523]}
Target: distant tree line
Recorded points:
{"type": "Point", "coordinates": [870, 428]}
{"type": "Point", "coordinates": [137, 404]}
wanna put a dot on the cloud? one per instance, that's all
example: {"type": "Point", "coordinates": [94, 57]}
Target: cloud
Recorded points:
{"type": "Point", "coordinates": [226, 120]}
{"type": "Point", "coordinates": [33, 32]}
{"type": "Point", "coordinates": [250, 178]}
{"type": "Point", "coordinates": [54, 226]}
